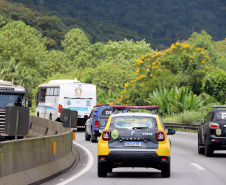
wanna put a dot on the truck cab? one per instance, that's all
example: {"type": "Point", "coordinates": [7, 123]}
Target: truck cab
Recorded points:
{"type": "Point", "coordinates": [10, 95]}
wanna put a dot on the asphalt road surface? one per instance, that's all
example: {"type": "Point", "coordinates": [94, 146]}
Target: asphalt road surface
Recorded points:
{"type": "Point", "coordinates": [187, 166]}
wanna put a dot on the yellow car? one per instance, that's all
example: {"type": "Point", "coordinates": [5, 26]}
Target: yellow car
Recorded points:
{"type": "Point", "coordinates": [134, 140]}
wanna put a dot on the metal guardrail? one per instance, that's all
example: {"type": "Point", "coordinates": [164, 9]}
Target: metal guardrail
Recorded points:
{"type": "Point", "coordinates": [182, 125]}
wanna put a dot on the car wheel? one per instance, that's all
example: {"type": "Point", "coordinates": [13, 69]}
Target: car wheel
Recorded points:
{"type": "Point", "coordinates": [87, 136]}
{"type": "Point", "coordinates": [93, 138]}
{"type": "Point", "coordinates": [101, 170]}
{"type": "Point", "coordinates": [208, 150]}
{"type": "Point", "coordinates": [165, 172]}
{"type": "Point", "coordinates": [201, 149]}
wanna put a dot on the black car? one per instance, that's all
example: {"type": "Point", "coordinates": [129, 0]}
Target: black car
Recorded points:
{"type": "Point", "coordinates": [212, 132]}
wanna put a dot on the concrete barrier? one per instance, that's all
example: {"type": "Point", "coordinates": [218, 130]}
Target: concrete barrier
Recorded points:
{"type": "Point", "coordinates": [31, 160]}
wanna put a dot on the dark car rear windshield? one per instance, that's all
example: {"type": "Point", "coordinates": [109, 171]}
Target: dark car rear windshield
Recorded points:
{"type": "Point", "coordinates": [129, 122]}
{"type": "Point", "coordinates": [220, 116]}
{"type": "Point", "coordinates": [106, 112]}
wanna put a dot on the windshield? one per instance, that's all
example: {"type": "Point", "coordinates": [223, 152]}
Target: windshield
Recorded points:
{"type": "Point", "coordinates": [10, 100]}
{"type": "Point", "coordinates": [133, 122]}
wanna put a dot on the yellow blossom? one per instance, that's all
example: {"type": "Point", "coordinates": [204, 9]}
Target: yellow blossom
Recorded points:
{"type": "Point", "coordinates": [198, 49]}
{"type": "Point", "coordinates": [203, 61]}
{"type": "Point", "coordinates": [138, 70]}
{"type": "Point", "coordinates": [173, 46]}
{"type": "Point", "coordinates": [151, 75]}
{"type": "Point", "coordinates": [126, 85]}
{"type": "Point", "coordinates": [148, 70]}
{"type": "Point", "coordinates": [207, 57]}
{"type": "Point", "coordinates": [127, 101]}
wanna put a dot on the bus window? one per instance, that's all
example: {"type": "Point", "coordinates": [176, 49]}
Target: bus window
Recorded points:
{"type": "Point", "coordinates": [55, 93]}
{"type": "Point", "coordinates": [48, 92]}
{"type": "Point", "coordinates": [43, 94]}
{"type": "Point", "coordinates": [51, 92]}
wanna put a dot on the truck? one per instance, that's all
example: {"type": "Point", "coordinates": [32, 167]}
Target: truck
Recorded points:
{"type": "Point", "coordinates": [10, 95]}
{"type": "Point", "coordinates": [66, 94]}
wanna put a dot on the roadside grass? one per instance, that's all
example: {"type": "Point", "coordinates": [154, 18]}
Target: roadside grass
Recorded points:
{"type": "Point", "coordinates": [183, 129]}
{"type": "Point", "coordinates": [188, 117]}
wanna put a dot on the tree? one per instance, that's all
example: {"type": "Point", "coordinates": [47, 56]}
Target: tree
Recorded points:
{"type": "Point", "coordinates": [215, 84]}
{"type": "Point", "coordinates": [75, 41]}
{"type": "Point", "coordinates": [55, 62]}
{"type": "Point", "coordinates": [23, 43]}
{"type": "Point", "coordinates": [181, 61]}
{"type": "Point", "coordinates": [17, 73]}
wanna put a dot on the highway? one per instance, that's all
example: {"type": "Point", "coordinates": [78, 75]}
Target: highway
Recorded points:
{"type": "Point", "coordinates": [187, 166]}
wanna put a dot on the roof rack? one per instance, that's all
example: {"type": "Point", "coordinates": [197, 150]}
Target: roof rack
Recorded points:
{"type": "Point", "coordinates": [135, 107]}
{"type": "Point", "coordinates": [218, 106]}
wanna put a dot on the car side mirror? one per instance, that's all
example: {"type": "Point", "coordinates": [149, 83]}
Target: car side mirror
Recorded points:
{"type": "Point", "coordinates": [171, 132]}
{"type": "Point", "coordinates": [199, 122]}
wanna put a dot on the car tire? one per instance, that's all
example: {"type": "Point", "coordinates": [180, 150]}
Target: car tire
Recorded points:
{"type": "Point", "coordinates": [101, 170]}
{"type": "Point", "coordinates": [208, 150]}
{"type": "Point", "coordinates": [87, 136]}
{"type": "Point", "coordinates": [93, 138]}
{"type": "Point", "coordinates": [201, 149]}
{"type": "Point", "coordinates": [165, 171]}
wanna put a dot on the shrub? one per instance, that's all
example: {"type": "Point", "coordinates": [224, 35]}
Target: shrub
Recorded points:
{"type": "Point", "coordinates": [215, 85]}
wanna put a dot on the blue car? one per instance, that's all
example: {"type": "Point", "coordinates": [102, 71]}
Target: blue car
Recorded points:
{"type": "Point", "coordinates": [98, 119]}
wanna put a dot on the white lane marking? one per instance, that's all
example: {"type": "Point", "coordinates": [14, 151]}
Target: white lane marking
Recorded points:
{"type": "Point", "coordinates": [89, 165]}
{"type": "Point", "coordinates": [197, 166]}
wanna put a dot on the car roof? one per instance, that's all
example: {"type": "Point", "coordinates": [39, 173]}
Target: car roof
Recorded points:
{"type": "Point", "coordinates": [140, 114]}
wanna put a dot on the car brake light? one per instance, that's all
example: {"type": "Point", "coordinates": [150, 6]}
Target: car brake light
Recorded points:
{"type": "Point", "coordinates": [60, 107]}
{"type": "Point", "coordinates": [160, 135]}
{"type": "Point", "coordinates": [213, 125]}
{"type": "Point", "coordinates": [96, 124]}
{"type": "Point", "coordinates": [106, 135]}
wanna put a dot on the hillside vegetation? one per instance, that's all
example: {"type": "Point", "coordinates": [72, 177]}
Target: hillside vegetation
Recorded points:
{"type": "Point", "coordinates": [189, 75]}
{"type": "Point", "coordinates": [159, 22]}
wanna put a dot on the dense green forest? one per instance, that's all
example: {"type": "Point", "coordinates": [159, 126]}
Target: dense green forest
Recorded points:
{"type": "Point", "coordinates": [158, 22]}
{"type": "Point", "coordinates": [38, 46]}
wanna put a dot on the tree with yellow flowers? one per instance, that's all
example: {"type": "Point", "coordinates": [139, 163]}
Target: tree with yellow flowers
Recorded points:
{"type": "Point", "coordinates": [181, 65]}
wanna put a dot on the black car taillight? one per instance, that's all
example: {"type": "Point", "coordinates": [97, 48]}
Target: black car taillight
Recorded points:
{"type": "Point", "coordinates": [160, 135]}
{"type": "Point", "coordinates": [96, 124]}
{"type": "Point", "coordinates": [106, 135]}
{"type": "Point", "coordinates": [213, 125]}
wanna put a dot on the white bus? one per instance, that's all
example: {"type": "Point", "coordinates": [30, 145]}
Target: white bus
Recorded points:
{"type": "Point", "coordinates": [71, 94]}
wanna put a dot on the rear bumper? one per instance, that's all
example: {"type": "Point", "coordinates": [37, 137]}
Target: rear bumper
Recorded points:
{"type": "Point", "coordinates": [218, 143]}
{"type": "Point", "coordinates": [134, 159]}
